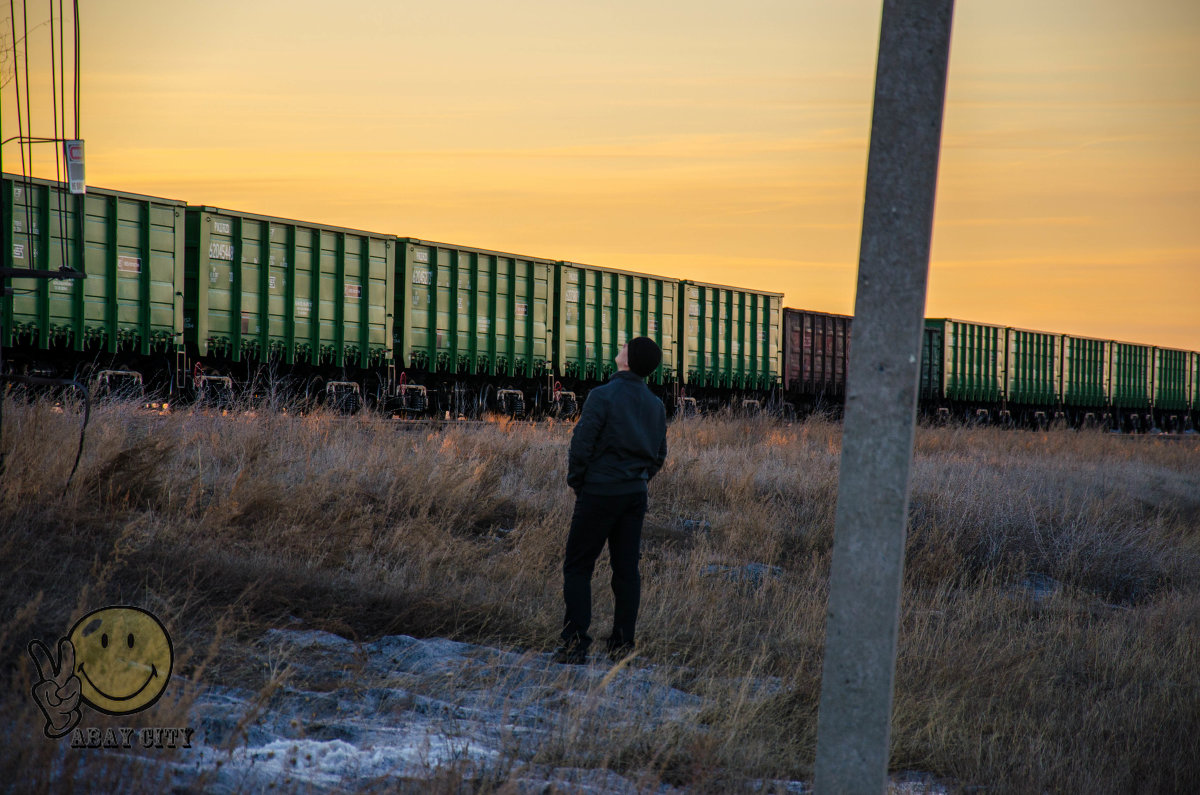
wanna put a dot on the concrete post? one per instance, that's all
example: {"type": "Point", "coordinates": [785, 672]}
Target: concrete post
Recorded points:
{"type": "Point", "coordinates": [854, 722]}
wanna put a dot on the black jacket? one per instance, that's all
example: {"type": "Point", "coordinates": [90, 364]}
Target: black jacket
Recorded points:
{"type": "Point", "coordinates": [620, 441]}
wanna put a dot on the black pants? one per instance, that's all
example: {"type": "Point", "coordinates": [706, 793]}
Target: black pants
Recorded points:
{"type": "Point", "coordinates": [616, 519]}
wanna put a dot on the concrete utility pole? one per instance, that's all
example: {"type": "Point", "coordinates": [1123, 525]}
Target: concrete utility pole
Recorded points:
{"type": "Point", "coordinates": [854, 723]}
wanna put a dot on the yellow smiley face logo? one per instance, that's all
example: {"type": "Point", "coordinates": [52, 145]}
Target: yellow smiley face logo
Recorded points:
{"type": "Point", "coordinates": [123, 659]}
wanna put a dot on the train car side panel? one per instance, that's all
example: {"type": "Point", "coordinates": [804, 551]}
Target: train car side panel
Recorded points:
{"type": "Point", "coordinates": [1085, 366]}
{"type": "Point", "coordinates": [974, 361]}
{"type": "Point", "coordinates": [933, 369]}
{"type": "Point", "coordinates": [259, 287]}
{"type": "Point", "coordinates": [1034, 367]}
{"type": "Point", "coordinates": [599, 309]}
{"type": "Point", "coordinates": [1131, 375]}
{"type": "Point", "coordinates": [816, 352]}
{"type": "Point", "coordinates": [1194, 382]}
{"type": "Point", "coordinates": [472, 311]}
{"type": "Point", "coordinates": [128, 245]}
{"type": "Point", "coordinates": [1171, 379]}
{"type": "Point", "coordinates": [730, 337]}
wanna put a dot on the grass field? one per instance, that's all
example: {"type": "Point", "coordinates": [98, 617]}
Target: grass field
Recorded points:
{"type": "Point", "coordinates": [1050, 633]}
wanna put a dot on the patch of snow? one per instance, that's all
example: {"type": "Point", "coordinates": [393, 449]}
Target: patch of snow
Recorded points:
{"type": "Point", "coordinates": [694, 525]}
{"type": "Point", "coordinates": [354, 716]}
{"type": "Point", "coordinates": [1037, 587]}
{"type": "Point", "coordinates": [752, 574]}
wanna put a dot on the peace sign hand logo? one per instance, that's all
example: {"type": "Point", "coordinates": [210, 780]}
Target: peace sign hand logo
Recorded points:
{"type": "Point", "coordinates": [57, 691]}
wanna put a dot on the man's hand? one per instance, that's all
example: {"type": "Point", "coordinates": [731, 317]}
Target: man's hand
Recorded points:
{"type": "Point", "coordinates": [583, 439]}
{"type": "Point", "coordinates": [57, 689]}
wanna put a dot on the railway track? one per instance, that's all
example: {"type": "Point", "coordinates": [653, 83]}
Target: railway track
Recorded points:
{"type": "Point", "coordinates": [155, 412]}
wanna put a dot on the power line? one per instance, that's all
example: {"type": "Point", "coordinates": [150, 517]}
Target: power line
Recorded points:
{"type": "Point", "coordinates": [77, 91]}
{"type": "Point", "coordinates": [28, 93]}
{"type": "Point", "coordinates": [58, 88]}
{"type": "Point", "coordinates": [12, 17]}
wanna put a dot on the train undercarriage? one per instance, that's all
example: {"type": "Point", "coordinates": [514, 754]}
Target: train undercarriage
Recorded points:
{"type": "Point", "coordinates": [171, 379]}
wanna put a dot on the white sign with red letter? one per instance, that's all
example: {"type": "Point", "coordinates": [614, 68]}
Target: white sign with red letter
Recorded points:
{"type": "Point", "coordinates": [73, 154]}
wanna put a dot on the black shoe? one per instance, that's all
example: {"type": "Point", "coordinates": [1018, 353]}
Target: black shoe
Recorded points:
{"type": "Point", "coordinates": [569, 655]}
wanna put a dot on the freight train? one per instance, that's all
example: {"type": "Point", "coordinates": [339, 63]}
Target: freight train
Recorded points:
{"type": "Point", "coordinates": [194, 302]}
{"type": "Point", "coordinates": [200, 302]}
{"type": "Point", "coordinates": [984, 373]}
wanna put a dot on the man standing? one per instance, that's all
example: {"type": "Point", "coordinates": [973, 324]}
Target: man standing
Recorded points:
{"type": "Point", "coordinates": [619, 443]}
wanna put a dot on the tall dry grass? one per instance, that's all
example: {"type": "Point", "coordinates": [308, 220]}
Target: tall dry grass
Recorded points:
{"type": "Point", "coordinates": [230, 525]}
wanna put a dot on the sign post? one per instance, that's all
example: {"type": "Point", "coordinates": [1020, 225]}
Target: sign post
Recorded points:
{"type": "Point", "coordinates": [854, 722]}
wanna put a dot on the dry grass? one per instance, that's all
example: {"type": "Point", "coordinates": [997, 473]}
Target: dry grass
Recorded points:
{"type": "Point", "coordinates": [229, 525]}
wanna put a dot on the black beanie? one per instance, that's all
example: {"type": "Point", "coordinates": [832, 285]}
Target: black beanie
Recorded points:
{"type": "Point", "coordinates": [644, 356]}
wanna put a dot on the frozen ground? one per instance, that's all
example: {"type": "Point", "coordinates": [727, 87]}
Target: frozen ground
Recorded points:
{"type": "Point", "coordinates": [367, 716]}
{"type": "Point", "coordinates": [395, 713]}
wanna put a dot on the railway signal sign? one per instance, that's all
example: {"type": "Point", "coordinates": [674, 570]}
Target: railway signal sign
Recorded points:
{"type": "Point", "coordinates": [73, 154]}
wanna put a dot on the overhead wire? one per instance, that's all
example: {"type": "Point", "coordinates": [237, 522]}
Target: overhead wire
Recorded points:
{"type": "Point", "coordinates": [62, 152]}
{"type": "Point", "coordinates": [27, 142]}
{"type": "Point", "coordinates": [77, 92]}
{"type": "Point", "coordinates": [12, 12]}
{"type": "Point", "coordinates": [62, 64]}
{"type": "Point", "coordinates": [34, 139]}
{"type": "Point", "coordinates": [57, 78]}
{"type": "Point", "coordinates": [12, 16]}
{"type": "Point", "coordinates": [62, 98]}
{"type": "Point", "coordinates": [28, 95]}
{"type": "Point", "coordinates": [54, 91]}
{"type": "Point", "coordinates": [24, 124]}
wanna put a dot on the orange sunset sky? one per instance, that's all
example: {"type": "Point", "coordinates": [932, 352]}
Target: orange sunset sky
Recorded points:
{"type": "Point", "coordinates": [720, 141]}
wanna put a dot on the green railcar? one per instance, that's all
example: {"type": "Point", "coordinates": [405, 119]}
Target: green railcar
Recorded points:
{"type": "Point", "coordinates": [471, 311]}
{"type": "Point", "coordinates": [1194, 381]}
{"type": "Point", "coordinates": [973, 360]}
{"type": "Point", "coordinates": [131, 248]}
{"type": "Point", "coordinates": [598, 310]}
{"type": "Point", "coordinates": [304, 293]}
{"type": "Point", "coordinates": [1171, 379]}
{"type": "Point", "coordinates": [932, 362]}
{"type": "Point", "coordinates": [730, 337]}
{"type": "Point", "coordinates": [1033, 369]}
{"type": "Point", "coordinates": [1131, 375]}
{"type": "Point", "coordinates": [1086, 366]}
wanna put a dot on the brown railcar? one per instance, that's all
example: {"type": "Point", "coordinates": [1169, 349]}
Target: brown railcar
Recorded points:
{"type": "Point", "coordinates": [816, 351]}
